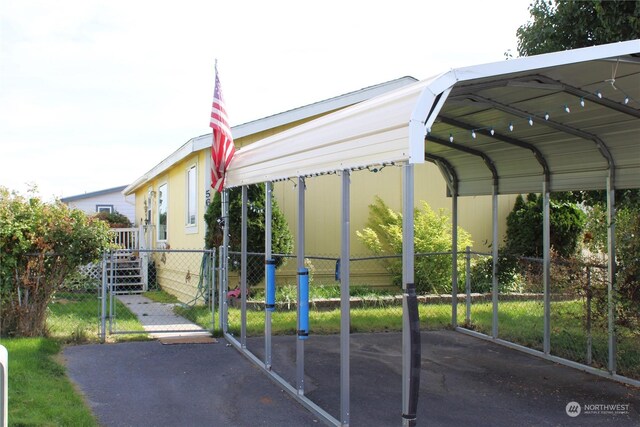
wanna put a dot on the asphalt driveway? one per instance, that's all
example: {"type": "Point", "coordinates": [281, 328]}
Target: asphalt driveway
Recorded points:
{"type": "Point", "coordinates": [465, 381]}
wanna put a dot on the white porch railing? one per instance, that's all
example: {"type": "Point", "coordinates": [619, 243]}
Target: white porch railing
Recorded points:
{"type": "Point", "coordinates": [126, 238]}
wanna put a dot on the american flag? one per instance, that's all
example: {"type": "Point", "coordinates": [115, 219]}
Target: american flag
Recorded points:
{"type": "Point", "coordinates": [222, 148]}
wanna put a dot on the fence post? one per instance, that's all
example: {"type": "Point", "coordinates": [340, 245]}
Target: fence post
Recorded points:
{"type": "Point", "coordinates": [212, 288]}
{"type": "Point", "coordinates": [103, 298]}
{"type": "Point", "coordinates": [222, 295]}
{"type": "Point", "coordinates": [110, 285]}
{"type": "Point", "coordinates": [468, 285]}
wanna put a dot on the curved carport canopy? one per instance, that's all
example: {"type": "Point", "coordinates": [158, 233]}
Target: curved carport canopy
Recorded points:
{"type": "Point", "coordinates": [555, 122]}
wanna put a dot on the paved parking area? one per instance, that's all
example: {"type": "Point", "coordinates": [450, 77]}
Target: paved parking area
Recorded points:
{"type": "Point", "coordinates": [465, 381]}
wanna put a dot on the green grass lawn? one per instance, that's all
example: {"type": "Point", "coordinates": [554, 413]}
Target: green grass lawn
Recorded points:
{"type": "Point", "coordinates": [75, 318]}
{"type": "Point", "coordinates": [40, 393]}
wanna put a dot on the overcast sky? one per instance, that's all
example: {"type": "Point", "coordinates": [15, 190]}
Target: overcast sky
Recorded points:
{"type": "Point", "coordinates": [93, 94]}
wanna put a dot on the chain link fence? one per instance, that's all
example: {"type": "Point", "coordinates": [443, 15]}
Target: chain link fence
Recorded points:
{"type": "Point", "coordinates": [158, 291]}
{"type": "Point", "coordinates": [578, 301]}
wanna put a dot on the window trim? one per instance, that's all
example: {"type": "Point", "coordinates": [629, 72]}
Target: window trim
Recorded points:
{"type": "Point", "coordinates": [191, 227]}
{"type": "Point", "coordinates": [102, 206]}
{"type": "Point", "coordinates": [158, 239]}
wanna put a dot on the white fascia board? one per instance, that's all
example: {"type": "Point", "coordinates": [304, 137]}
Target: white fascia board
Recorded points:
{"type": "Point", "coordinates": [372, 132]}
{"type": "Point", "coordinates": [239, 131]}
{"type": "Point", "coordinates": [194, 144]}
{"type": "Point", "coordinates": [317, 108]}
{"type": "Point", "coordinates": [547, 60]}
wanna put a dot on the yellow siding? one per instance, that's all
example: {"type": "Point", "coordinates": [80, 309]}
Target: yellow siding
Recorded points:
{"type": "Point", "coordinates": [323, 200]}
{"type": "Point", "coordinates": [322, 228]}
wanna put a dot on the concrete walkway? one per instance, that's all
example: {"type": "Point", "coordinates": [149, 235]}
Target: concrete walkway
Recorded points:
{"type": "Point", "coordinates": [159, 319]}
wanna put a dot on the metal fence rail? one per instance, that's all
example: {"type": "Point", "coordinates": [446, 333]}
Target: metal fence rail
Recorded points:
{"type": "Point", "coordinates": [578, 333]}
{"type": "Point", "coordinates": [158, 291]}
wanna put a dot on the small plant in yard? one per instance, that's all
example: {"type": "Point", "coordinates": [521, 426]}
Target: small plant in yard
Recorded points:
{"type": "Point", "coordinates": [383, 236]}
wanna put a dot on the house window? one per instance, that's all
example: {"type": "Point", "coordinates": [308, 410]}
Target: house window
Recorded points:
{"type": "Point", "coordinates": [192, 196]}
{"type": "Point", "coordinates": [104, 208]}
{"type": "Point", "coordinates": [163, 203]}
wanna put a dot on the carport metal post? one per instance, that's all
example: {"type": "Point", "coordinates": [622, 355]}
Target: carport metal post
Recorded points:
{"type": "Point", "coordinates": [267, 257]}
{"type": "Point", "coordinates": [243, 270]}
{"type": "Point", "coordinates": [345, 306]}
{"type": "Point", "coordinates": [467, 280]}
{"type": "Point", "coordinates": [494, 251]}
{"type": "Point", "coordinates": [611, 270]}
{"type": "Point", "coordinates": [411, 351]}
{"type": "Point", "coordinates": [454, 260]}
{"type": "Point", "coordinates": [224, 321]}
{"type": "Point", "coordinates": [300, 259]}
{"type": "Point", "coordinates": [546, 242]}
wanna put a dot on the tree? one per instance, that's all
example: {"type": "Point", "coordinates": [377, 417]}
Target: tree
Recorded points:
{"type": "Point", "coordinates": [432, 231]}
{"type": "Point", "coordinates": [40, 244]}
{"type": "Point", "coordinates": [282, 241]}
{"type": "Point", "coordinates": [562, 25]}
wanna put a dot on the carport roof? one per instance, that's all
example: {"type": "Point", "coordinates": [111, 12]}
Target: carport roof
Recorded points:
{"type": "Point", "coordinates": [569, 117]}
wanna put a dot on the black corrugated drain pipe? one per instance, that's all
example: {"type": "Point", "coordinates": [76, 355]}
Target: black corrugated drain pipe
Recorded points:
{"type": "Point", "coordinates": [416, 353]}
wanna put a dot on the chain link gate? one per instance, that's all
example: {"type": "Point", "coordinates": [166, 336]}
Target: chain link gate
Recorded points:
{"type": "Point", "coordinates": [158, 292]}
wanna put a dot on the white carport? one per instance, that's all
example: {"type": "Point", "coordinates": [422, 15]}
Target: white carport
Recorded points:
{"type": "Point", "coordinates": [562, 121]}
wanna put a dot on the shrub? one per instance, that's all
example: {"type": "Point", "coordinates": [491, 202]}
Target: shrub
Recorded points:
{"type": "Point", "coordinates": [114, 219]}
{"type": "Point", "coordinates": [40, 244]}
{"type": "Point", "coordinates": [524, 227]}
{"type": "Point", "coordinates": [282, 242]}
{"type": "Point", "coordinates": [383, 236]}
{"type": "Point", "coordinates": [509, 277]}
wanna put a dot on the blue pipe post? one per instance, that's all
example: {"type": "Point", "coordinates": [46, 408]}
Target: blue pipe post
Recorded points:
{"type": "Point", "coordinates": [270, 303]}
{"type": "Point", "coordinates": [303, 316]}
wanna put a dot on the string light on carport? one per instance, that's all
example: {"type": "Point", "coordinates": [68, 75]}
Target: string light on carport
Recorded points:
{"type": "Point", "coordinates": [566, 108]}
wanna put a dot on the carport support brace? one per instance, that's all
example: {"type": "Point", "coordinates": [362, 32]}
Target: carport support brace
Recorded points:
{"type": "Point", "coordinates": [243, 270]}
{"type": "Point", "coordinates": [494, 251]}
{"type": "Point", "coordinates": [270, 275]}
{"type": "Point", "coordinates": [454, 260]}
{"type": "Point", "coordinates": [411, 347]}
{"type": "Point", "coordinates": [345, 303]}
{"type": "Point", "coordinates": [611, 271]}
{"type": "Point", "coordinates": [546, 243]}
{"type": "Point", "coordinates": [300, 259]}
